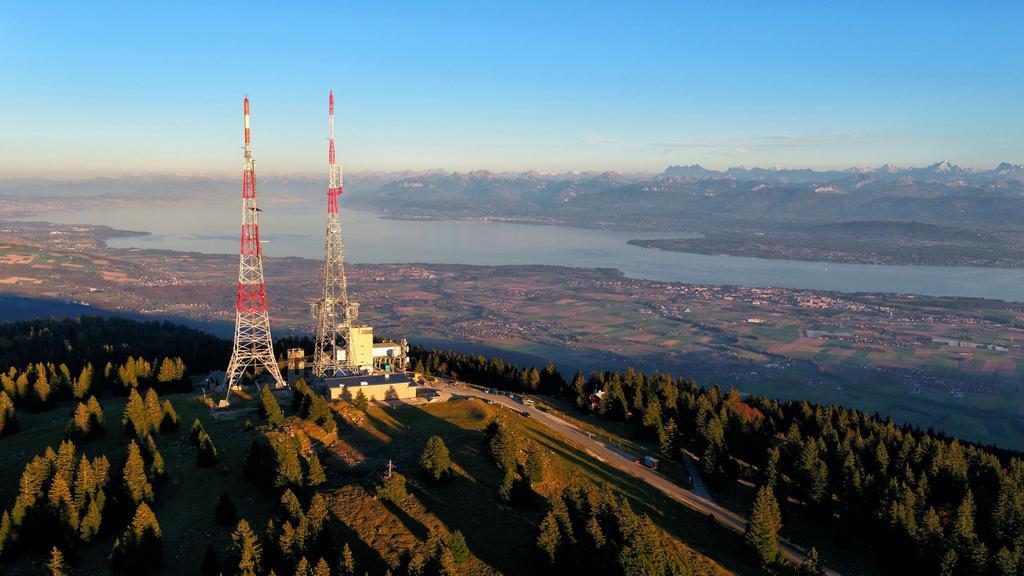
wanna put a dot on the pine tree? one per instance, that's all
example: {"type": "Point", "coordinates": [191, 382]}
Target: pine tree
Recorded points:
{"type": "Point", "coordinates": [154, 411]}
{"type": "Point", "coordinates": [393, 488]}
{"type": "Point", "coordinates": [812, 564]}
{"type": "Point", "coordinates": [446, 565]}
{"type": "Point", "coordinates": [435, 460]}
{"type": "Point", "coordinates": [135, 420]}
{"type": "Point", "coordinates": [287, 469]}
{"type": "Point", "coordinates": [41, 386]}
{"type": "Point", "coordinates": [83, 383]}
{"type": "Point", "coordinates": [6, 529]}
{"type": "Point", "coordinates": [57, 566]}
{"type": "Point", "coordinates": [207, 456]}
{"type": "Point", "coordinates": [269, 408]}
{"type": "Point", "coordinates": [361, 402]}
{"type": "Point", "coordinates": [549, 538]}
{"type": "Point", "coordinates": [97, 422]}
{"type": "Point", "coordinates": [245, 551]}
{"type": "Point", "coordinates": [457, 544]}
{"type": "Point", "coordinates": [168, 418]}
{"type": "Point", "coordinates": [140, 548]}
{"type": "Point", "coordinates": [135, 482]}
{"type": "Point", "coordinates": [302, 567]}
{"type": "Point", "coordinates": [8, 424]}
{"type": "Point", "coordinates": [197, 429]}
{"type": "Point", "coordinates": [317, 515]}
{"type": "Point", "coordinates": [579, 387]}
{"type": "Point", "coordinates": [322, 568]}
{"type": "Point", "coordinates": [315, 475]}
{"type": "Point", "coordinates": [91, 523]}
{"type": "Point", "coordinates": [168, 372]}
{"type": "Point", "coordinates": [762, 533]}
{"type": "Point", "coordinates": [348, 563]}
{"type": "Point", "coordinates": [225, 512]}
{"type": "Point", "coordinates": [79, 426]}
{"type": "Point", "coordinates": [504, 446]}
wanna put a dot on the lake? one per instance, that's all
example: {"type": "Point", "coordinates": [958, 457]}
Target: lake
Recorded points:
{"type": "Point", "coordinates": [296, 228]}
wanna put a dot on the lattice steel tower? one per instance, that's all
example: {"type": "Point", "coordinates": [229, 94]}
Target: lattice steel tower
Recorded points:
{"type": "Point", "coordinates": [333, 310]}
{"type": "Point", "coordinates": [254, 347]}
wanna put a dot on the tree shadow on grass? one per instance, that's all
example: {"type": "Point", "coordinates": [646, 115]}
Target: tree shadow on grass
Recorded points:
{"type": "Point", "coordinates": [367, 558]}
{"type": "Point", "coordinates": [687, 524]}
{"type": "Point", "coordinates": [414, 526]}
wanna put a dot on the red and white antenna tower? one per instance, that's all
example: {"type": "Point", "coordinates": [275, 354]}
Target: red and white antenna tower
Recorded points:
{"type": "Point", "coordinates": [253, 347]}
{"type": "Point", "coordinates": [334, 312]}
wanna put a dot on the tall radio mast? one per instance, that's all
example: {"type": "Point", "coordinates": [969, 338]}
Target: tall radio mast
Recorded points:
{"type": "Point", "coordinates": [334, 312]}
{"type": "Point", "coordinates": [253, 347]}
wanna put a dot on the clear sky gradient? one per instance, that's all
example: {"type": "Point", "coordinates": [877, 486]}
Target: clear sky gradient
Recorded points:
{"type": "Point", "coordinates": [93, 88]}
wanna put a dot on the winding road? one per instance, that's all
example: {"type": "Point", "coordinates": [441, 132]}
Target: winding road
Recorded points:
{"type": "Point", "coordinates": [697, 498]}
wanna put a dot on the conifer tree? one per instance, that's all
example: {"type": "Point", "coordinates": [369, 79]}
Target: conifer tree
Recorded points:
{"type": "Point", "coordinates": [207, 456]}
{"type": "Point", "coordinates": [533, 471]}
{"type": "Point", "coordinates": [317, 515]}
{"type": "Point", "coordinates": [197, 429]}
{"type": "Point", "coordinates": [549, 538]}
{"type": "Point", "coordinates": [154, 411]}
{"type": "Point", "coordinates": [83, 383]}
{"type": "Point", "coordinates": [457, 544]}
{"type": "Point", "coordinates": [322, 568]}
{"type": "Point", "coordinates": [361, 402]}
{"type": "Point", "coordinates": [168, 372]}
{"type": "Point", "coordinates": [157, 468]}
{"type": "Point", "coordinates": [97, 422]}
{"type": "Point", "coordinates": [62, 506]}
{"type": "Point", "coordinates": [393, 488]}
{"type": "Point", "coordinates": [446, 565]}
{"type": "Point", "coordinates": [8, 423]}
{"type": "Point", "coordinates": [302, 567]}
{"type": "Point", "coordinates": [504, 446]}
{"type": "Point", "coordinates": [6, 531]}
{"type": "Point", "coordinates": [348, 563]}
{"type": "Point", "coordinates": [812, 564]}
{"type": "Point", "coordinates": [57, 566]}
{"type": "Point", "coordinates": [269, 408]}
{"type": "Point", "coordinates": [64, 460]}
{"type": "Point", "coordinates": [140, 548]}
{"type": "Point", "coordinates": [245, 552]}
{"type": "Point", "coordinates": [135, 481]}
{"type": "Point", "coordinates": [315, 475]}
{"type": "Point", "coordinates": [78, 427]}
{"type": "Point", "coordinates": [135, 420]}
{"type": "Point", "coordinates": [287, 469]}
{"type": "Point", "coordinates": [579, 388]}
{"type": "Point", "coordinates": [91, 522]}
{"type": "Point", "coordinates": [168, 418]}
{"type": "Point", "coordinates": [41, 386]}
{"type": "Point", "coordinates": [435, 460]}
{"type": "Point", "coordinates": [762, 533]}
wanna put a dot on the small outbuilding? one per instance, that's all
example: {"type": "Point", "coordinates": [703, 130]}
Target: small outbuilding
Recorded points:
{"type": "Point", "coordinates": [376, 387]}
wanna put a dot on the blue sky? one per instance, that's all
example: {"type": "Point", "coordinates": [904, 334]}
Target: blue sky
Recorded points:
{"type": "Point", "coordinates": [93, 88]}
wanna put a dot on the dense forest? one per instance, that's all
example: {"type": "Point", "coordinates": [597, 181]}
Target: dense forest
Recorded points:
{"type": "Point", "coordinates": [916, 500]}
{"type": "Point", "coordinates": [924, 503]}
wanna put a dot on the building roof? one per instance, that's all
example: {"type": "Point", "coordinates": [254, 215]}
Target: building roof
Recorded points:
{"type": "Point", "coordinates": [370, 380]}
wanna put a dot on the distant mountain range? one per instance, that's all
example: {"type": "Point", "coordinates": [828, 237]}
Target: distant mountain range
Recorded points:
{"type": "Point", "coordinates": [939, 172]}
{"type": "Point", "coordinates": [680, 197]}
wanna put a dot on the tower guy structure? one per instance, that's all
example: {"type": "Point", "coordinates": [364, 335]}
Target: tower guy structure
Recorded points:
{"type": "Point", "coordinates": [334, 312]}
{"type": "Point", "coordinates": [253, 347]}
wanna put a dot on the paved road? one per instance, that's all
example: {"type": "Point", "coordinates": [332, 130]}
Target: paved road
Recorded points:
{"type": "Point", "coordinates": [598, 449]}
